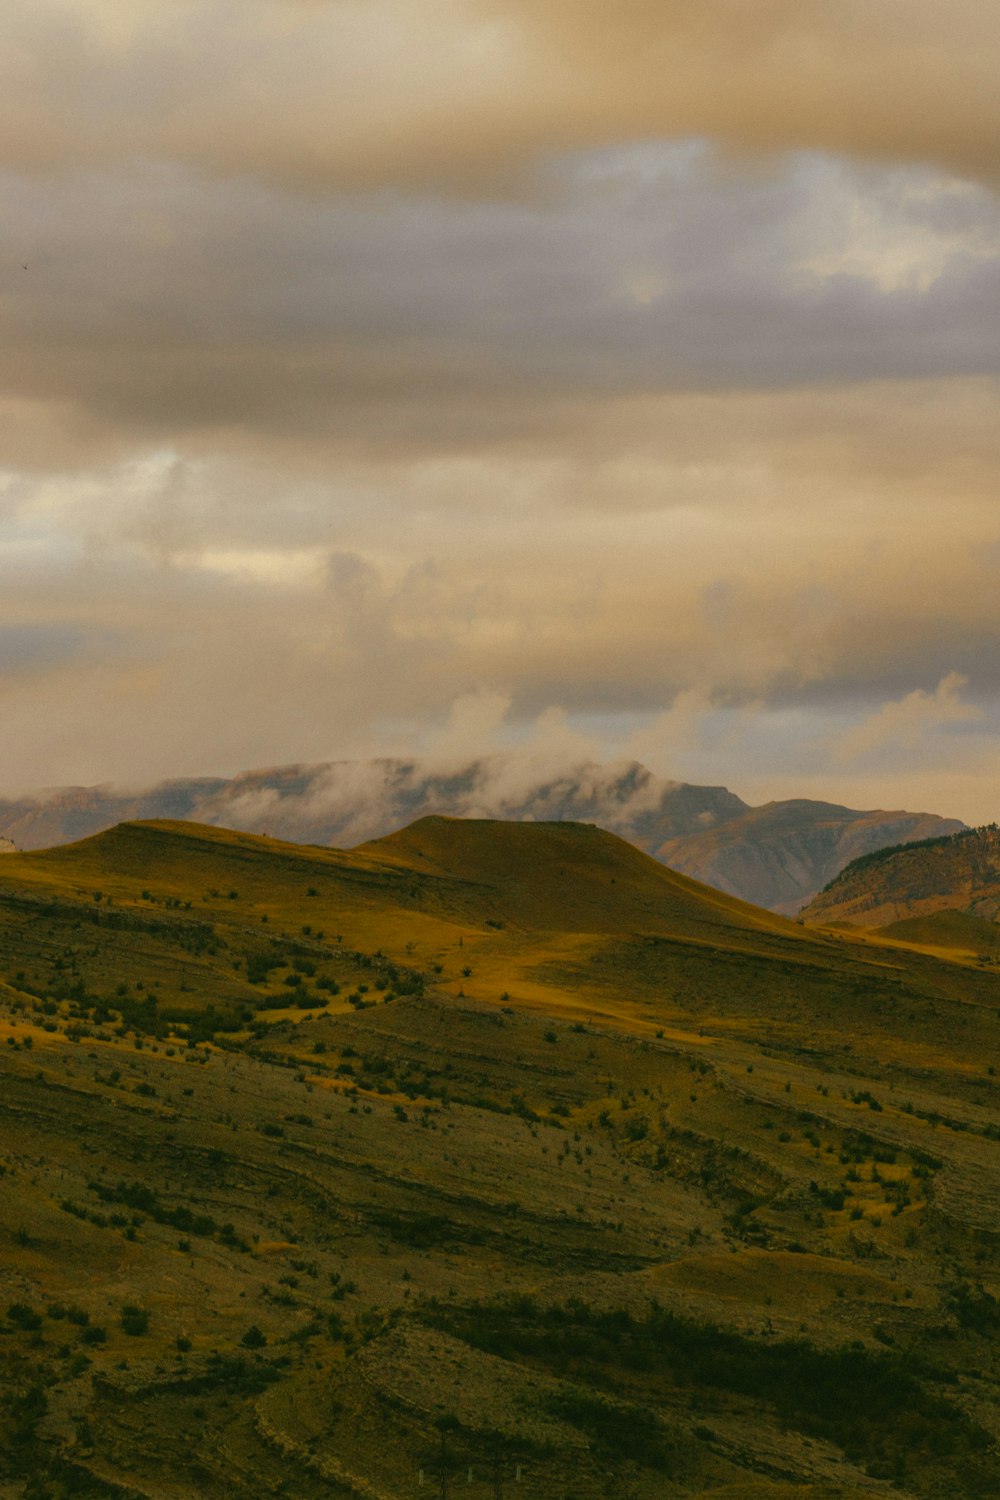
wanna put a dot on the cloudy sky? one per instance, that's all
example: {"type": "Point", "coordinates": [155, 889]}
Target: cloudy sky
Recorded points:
{"type": "Point", "coordinates": [435, 376]}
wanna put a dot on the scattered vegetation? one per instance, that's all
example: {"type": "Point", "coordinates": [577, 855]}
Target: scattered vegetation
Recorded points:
{"type": "Point", "coordinates": [258, 1177]}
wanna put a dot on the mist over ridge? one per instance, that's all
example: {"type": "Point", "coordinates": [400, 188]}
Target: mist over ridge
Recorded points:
{"type": "Point", "coordinates": [777, 856]}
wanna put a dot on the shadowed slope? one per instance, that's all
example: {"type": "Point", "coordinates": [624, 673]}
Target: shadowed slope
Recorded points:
{"type": "Point", "coordinates": [570, 877]}
{"type": "Point", "coordinates": [957, 930]}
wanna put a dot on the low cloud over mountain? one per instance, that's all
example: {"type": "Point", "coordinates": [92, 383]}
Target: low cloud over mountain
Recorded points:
{"type": "Point", "coordinates": [778, 855]}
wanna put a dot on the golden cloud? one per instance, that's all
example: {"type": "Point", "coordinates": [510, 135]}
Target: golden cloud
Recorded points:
{"type": "Point", "coordinates": [473, 92]}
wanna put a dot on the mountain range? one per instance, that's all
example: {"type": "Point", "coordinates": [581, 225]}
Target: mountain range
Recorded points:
{"type": "Point", "coordinates": [778, 855]}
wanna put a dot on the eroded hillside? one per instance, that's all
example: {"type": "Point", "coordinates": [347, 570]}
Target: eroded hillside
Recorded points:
{"type": "Point", "coordinates": [482, 1148]}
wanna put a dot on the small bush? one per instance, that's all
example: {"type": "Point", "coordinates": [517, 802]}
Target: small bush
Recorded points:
{"type": "Point", "coordinates": [134, 1320]}
{"type": "Point", "coordinates": [24, 1317]}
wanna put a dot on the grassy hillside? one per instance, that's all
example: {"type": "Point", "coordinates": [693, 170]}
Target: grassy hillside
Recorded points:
{"type": "Point", "coordinates": [482, 1146]}
{"type": "Point", "coordinates": [960, 932]}
{"type": "Point", "coordinates": [569, 877]}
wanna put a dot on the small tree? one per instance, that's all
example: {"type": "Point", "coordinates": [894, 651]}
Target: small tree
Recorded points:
{"type": "Point", "coordinates": [442, 1460]}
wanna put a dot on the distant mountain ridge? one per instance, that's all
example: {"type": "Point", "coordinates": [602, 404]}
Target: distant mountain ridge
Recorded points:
{"type": "Point", "coordinates": [784, 852]}
{"type": "Point", "coordinates": [958, 873]}
{"type": "Point", "coordinates": [776, 856]}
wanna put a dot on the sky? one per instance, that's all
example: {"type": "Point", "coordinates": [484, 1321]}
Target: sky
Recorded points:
{"type": "Point", "coordinates": [438, 377]}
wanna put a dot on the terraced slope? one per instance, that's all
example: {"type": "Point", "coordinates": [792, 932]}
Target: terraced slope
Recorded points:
{"type": "Point", "coordinates": [477, 1147]}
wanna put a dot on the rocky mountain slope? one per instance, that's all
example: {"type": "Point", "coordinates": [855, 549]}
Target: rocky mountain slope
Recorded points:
{"type": "Point", "coordinates": [776, 856]}
{"type": "Point", "coordinates": [960, 873]}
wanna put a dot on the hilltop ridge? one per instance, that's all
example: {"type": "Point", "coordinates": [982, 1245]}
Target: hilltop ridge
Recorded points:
{"type": "Point", "coordinates": [777, 856]}
{"type": "Point", "coordinates": [541, 877]}
{"type": "Point", "coordinates": [959, 872]}
{"type": "Point", "coordinates": [564, 875]}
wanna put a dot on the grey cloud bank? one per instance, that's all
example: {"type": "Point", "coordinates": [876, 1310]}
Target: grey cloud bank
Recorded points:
{"type": "Point", "coordinates": [167, 304]}
{"type": "Point", "coordinates": [358, 361]}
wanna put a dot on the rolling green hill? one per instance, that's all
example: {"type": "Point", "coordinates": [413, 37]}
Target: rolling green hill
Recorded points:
{"type": "Point", "coordinates": [568, 877]}
{"type": "Point", "coordinates": [482, 1146]}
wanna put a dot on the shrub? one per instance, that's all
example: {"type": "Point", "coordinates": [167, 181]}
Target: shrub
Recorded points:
{"type": "Point", "coordinates": [24, 1317]}
{"type": "Point", "coordinates": [134, 1319]}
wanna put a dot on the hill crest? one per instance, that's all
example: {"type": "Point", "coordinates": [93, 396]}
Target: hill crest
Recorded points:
{"type": "Point", "coordinates": [566, 871]}
{"type": "Point", "coordinates": [558, 881]}
{"type": "Point", "coordinates": [776, 856]}
{"type": "Point", "coordinates": [960, 872]}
